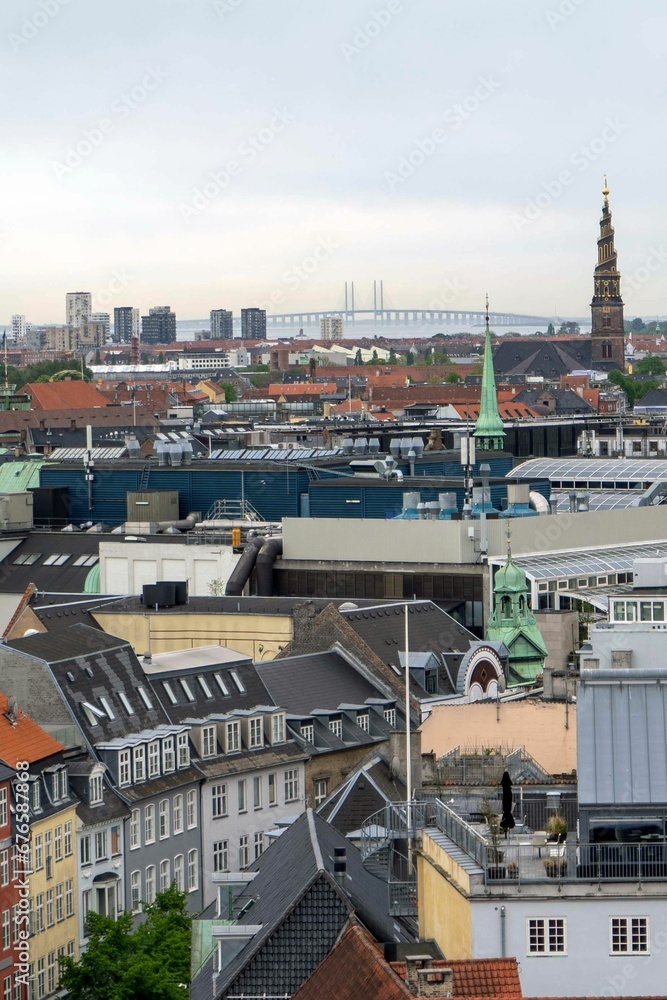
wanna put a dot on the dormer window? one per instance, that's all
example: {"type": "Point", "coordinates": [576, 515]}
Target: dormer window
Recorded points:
{"type": "Point", "coordinates": [363, 721]}
{"type": "Point", "coordinates": [208, 741]}
{"type": "Point", "coordinates": [153, 759]}
{"type": "Point", "coordinates": [278, 728]}
{"type": "Point", "coordinates": [64, 784]}
{"type": "Point", "coordinates": [256, 732]}
{"type": "Point", "coordinates": [96, 789]}
{"type": "Point", "coordinates": [168, 759]}
{"type": "Point", "coordinates": [55, 787]}
{"type": "Point", "coordinates": [183, 750]}
{"type": "Point", "coordinates": [140, 763]}
{"type": "Point", "coordinates": [336, 727]}
{"type": "Point", "coordinates": [36, 797]}
{"type": "Point", "coordinates": [307, 732]}
{"type": "Point", "coordinates": [390, 716]}
{"type": "Point", "coordinates": [232, 737]}
{"type": "Point", "coordinates": [124, 777]}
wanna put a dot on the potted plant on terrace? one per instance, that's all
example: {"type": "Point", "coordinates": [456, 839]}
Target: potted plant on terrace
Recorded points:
{"type": "Point", "coordinates": [495, 869]}
{"type": "Point", "coordinates": [556, 829]}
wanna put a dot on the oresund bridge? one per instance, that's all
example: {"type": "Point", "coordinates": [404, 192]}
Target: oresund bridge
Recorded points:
{"type": "Point", "coordinates": [403, 317]}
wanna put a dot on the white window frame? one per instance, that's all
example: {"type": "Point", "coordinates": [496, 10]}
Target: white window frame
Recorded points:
{"type": "Point", "coordinates": [242, 796]}
{"type": "Point", "coordinates": [278, 728]}
{"type": "Point", "coordinates": [255, 732]}
{"type": "Point", "coordinates": [139, 756]}
{"type": "Point", "coordinates": [149, 824]}
{"type": "Point", "coordinates": [135, 829]}
{"type": "Point", "coordinates": [4, 811]}
{"type": "Point", "coordinates": [549, 926]}
{"type": "Point", "coordinates": [150, 884]}
{"type": "Point", "coordinates": [628, 925]}
{"type": "Point", "coordinates": [219, 801]}
{"type": "Point", "coordinates": [336, 727]}
{"type": "Point", "coordinates": [178, 872]}
{"type": "Point", "coordinates": [232, 736]}
{"type": "Point", "coordinates": [209, 742]}
{"type": "Point", "coordinates": [244, 852]}
{"type": "Point", "coordinates": [191, 809]}
{"type": "Point", "coordinates": [221, 856]}
{"type": "Point", "coordinates": [363, 721]}
{"type": "Point", "coordinates": [96, 785]}
{"type": "Point", "coordinates": [183, 750]}
{"type": "Point", "coordinates": [178, 813]}
{"type": "Point", "coordinates": [163, 819]}
{"type": "Point", "coordinates": [135, 891]}
{"type": "Point", "coordinates": [307, 732]}
{"type": "Point", "coordinates": [193, 872]}
{"type": "Point", "coordinates": [124, 768]}
{"type": "Point", "coordinates": [154, 759]}
{"type": "Point", "coordinates": [165, 874]}
{"type": "Point", "coordinates": [257, 791]}
{"type": "Point", "coordinates": [291, 784]}
{"type": "Point", "coordinates": [168, 755]}
{"type": "Point", "coordinates": [320, 793]}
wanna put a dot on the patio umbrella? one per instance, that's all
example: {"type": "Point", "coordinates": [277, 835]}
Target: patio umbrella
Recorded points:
{"type": "Point", "coordinates": [507, 820]}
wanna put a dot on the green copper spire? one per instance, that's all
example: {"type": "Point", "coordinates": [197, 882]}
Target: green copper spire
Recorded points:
{"type": "Point", "coordinates": [489, 427]}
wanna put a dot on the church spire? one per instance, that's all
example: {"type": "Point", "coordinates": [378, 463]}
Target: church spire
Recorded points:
{"type": "Point", "coordinates": [607, 333]}
{"type": "Point", "coordinates": [489, 431]}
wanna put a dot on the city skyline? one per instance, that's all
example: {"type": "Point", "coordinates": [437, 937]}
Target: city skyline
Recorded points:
{"type": "Point", "coordinates": [199, 170]}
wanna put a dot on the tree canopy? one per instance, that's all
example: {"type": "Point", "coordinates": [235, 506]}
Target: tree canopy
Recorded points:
{"type": "Point", "coordinates": [633, 389]}
{"type": "Point", "coordinates": [149, 963]}
{"type": "Point", "coordinates": [650, 365]}
{"type": "Point", "coordinates": [46, 371]}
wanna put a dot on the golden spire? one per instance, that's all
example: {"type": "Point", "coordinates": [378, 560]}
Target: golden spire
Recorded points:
{"type": "Point", "coordinates": [487, 308]}
{"type": "Point", "coordinates": [605, 190]}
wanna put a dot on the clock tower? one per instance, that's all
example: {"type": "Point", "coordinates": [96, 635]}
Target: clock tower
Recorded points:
{"type": "Point", "coordinates": [607, 333]}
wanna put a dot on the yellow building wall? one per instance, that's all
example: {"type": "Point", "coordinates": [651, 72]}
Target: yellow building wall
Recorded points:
{"type": "Point", "coordinates": [66, 930]}
{"type": "Point", "coordinates": [444, 907]}
{"type": "Point", "coordinates": [173, 630]}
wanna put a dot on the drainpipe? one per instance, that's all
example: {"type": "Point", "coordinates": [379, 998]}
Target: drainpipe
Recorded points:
{"type": "Point", "coordinates": [503, 932]}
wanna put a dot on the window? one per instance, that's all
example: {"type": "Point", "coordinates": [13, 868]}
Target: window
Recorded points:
{"type": "Point", "coordinates": [68, 838]}
{"type": "Point", "coordinates": [221, 856]}
{"type": "Point", "coordinates": [135, 838]}
{"type": "Point", "coordinates": [273, 797]}
{"type": "Point", "coordinates": [84, 849]}
{"type": "Point", "coordinates": [150, 884]}
{"type": "Point", "coordinates": [291, 785]}
{"type": "Point", "coordinates": [58, 843]}
{"type": "Point", "coordinates": [183, 750]}
{"type": "Point", "coordinates": [259, 844]}
{"type": "Point", "coordinates": [41, 979]}
{"type": "Point", "coordinates": [278, 728]}
{"type": "Point", "coordinates": [7, 988]}
{"type": "Point", "coordinates": [104, 702]}
{"type": "Point", "coordinates": [168, 759]}
{"type": "Point", "coordinates": [115, 840]}
{"type": "Point", "coordinates": [193, 879]}
{"type": "Point", "coordinates": [546, 936]}
{"type": "Point", "coordinates": [192, 808]}
{"type": "Point", "coordinates": [164, 818]}
{"type": "Point", "coordinates": [629, 936]}
{"type": "Point", "coordinates": [390, 716]}
{"type": "Point", "coordinates": [244, 853]}
{"type": "Point", "coordinates": [135, 891]}
{"type": "Point", "coordinates": [237, 681]}
{"type": "Point", "coordinates": [60, 912]}
{"type": "Point", "coordinates": [48, 854]}
{"type": "Point", "coordinates": [363, 721]}
{"type": "Point", "coordinates": [165, 874]}
{"type": "Point", "coordinates": [336, 727]}
{"type": "Point", "coordinates": [204, 685]}
{"type": "Point", "coordinates": [57, 559]}
{"type": "Point", "coordinates": [140, 763]}
{"type": "Point", "coordinates": [233, 736]}
{"type": "Point", "coordinates": [187, 690]}
{"type": "Point", "coordinates": [124, 768]}
{"type": "Point", "coordinates": [50, 919]}
{"type": "Point", "coordinates": [27, 559]}
{"type": "Point", "coordinates": [153, 759]}
{"type": "Point", "coordinates": [70, 949]}
{"type": "Point", "coordinates": [51, 971]}
{"type": "Point", "coordinates": [96, 789]}
{"type": "Point", "coordinates": [3, 806]}
{"type": "Point", "coordinates": [170, 692]}
{"type": "Point", "coordinates": [86, 898]}
{"type": "Point", "coordinates": [221, 684]}
{"type": "Point", "coordinates": [85, 561]}
{"type": "Point", "coordinates": [6, 928]}
{"type": "Point", "coordinates": [256, 732]}
{"type": "Point", "coordinates": [178, 872]}
{"type": "Point", "coordinates": [69, 897]}
{"type": "Point", "coordinates": [178, 813]}
{"type": "Point", "coordinates": [143, 694]}
{"type": "Point", "coordinates": [125, 702]}
{"type": "Point", "coordinates": [307, 732]}
{"type": "Point", "coordinates": [39, 912]}
{"type": "Point", "coordinates": [101, 845]}
{"type": "Point", "coordinates": [208, 741]}
{"type": "Point", "coordinates": [241, 796]}
{"type": "Point", "coordinates": [257, 792]}
{"type": "Point", "coordinates": [219, 801]}
{"type": "Point", "coordinates": [36, 803]}
{"type": "Point", "coordinates": [149, 824]}
{"type": "Point", "coordinates": [4, 867]}
{"type": "Point", "coordinates": [321, 789]}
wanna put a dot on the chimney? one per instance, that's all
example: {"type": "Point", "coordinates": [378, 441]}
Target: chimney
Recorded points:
{"type": "Point", "coordinates": [340, 866]}
{"type": "Point", "coordinates": [425, 980]}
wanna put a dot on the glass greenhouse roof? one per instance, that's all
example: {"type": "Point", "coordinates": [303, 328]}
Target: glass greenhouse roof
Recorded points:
{"type": "Point", "coordinates": [585, 564]}
{"type": "Point", "coordinates": [586, 470]}
{"type": "Point", "coordinates": [599, 499]}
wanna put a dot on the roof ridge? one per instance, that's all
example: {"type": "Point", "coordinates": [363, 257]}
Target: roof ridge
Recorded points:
{"type": "Point", "coordinates": [315, 844]}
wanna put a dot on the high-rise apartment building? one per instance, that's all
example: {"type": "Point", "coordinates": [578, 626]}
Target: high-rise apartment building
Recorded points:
{"type": "Point", "coordinates": [253, 324]}
{"type": "Point", "coordinates": [331, 327]}
{"type": "Point", "coordinates": [126, 324]}
{"type": "Point", "coordinates": [159, 327]}
{"type": "Point", "coordinates": [222, 324]}
{"type": "Point", "coordinates": [105, 320]}
{"type": "Point", "coordinates": [78, 307]}
{"type": "Point", "coordinates": [18, 329]}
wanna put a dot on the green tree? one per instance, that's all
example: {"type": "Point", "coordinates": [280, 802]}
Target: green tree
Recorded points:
{"type": "Point", "coordinates": [650, 365]}
{"type": "Point", "coordinates": [550, 330]}
{"type": "Point", "coordinates": [409, 358]}
{"type": "Point", "coordinates": [637, 324]}
{"type": "Point", "coordinates": [44, 371]}
{"type": "Point", "coordinates": [453, 377]}
{"type": "Point", "coordinates": [358, 360]}
{"type": "Point", "coordinates": [149, 963]}
{"type": "Point", "coordinates": [633, 389]}
{"type": "Point", "coordinates": [231, 395]}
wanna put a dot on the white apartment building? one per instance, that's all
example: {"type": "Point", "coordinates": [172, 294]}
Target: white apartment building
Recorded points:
{"type": "Point", "coordinates": [331, 327]}
{"type": "Point", "coordinates": [78, 307]}
{"type": "Point", "coordinates": [18, 328]}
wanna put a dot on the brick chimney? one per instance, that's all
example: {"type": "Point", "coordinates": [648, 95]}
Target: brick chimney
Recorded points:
{"type": "Point", "coordinates": [426, 980]}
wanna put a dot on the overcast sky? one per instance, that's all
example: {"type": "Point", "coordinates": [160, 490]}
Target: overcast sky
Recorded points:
{"type": "Point", "coordinates": [418, 141]}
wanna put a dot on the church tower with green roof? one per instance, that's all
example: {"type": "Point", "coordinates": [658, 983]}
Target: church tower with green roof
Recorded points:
{"type": "Point", "coordinates": [489, 433]}
{"type": "Point", "coordinates": [513, 622]}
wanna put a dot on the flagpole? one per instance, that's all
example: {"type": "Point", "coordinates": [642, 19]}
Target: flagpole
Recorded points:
{"type": "Point", "coordinates": [407, 717]}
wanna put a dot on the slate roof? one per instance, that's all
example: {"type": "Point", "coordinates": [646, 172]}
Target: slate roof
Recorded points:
{"type": "Point", "coordinates": [368, 789]}
{"type": "Point", "coordinates": [230, 605]}
{"type": "Point", "coordinates": [567, 401]}
{"type": "Point", "coordinates": [56, 611]}
{"type": "Point", "coordinates": [547, 358]}
{"type": "Point", "coordinates": [295, 880]}
{"type": "Point", "coordinates": [66, 578]}
{"type": "Point", "coordinates": [165, 783]}
{"type": "Point", "coordinates": [229, 764]}
{"type": "Point", "coordinates": [302, 684]}
{"type": "Point", "coordinates": [654, 397]}
{"type": "Point", "coordinates": [254, 693]}
{"type": "Point", "coordinates": [89, 665]}
{"type": "Point", "coordinates": [24, 740]}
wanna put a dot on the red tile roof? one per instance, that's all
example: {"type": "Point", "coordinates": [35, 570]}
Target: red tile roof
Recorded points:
{"type": "Point", "coordinates": [63, 395]}
{"type": "Point", "coordinates": [478, 977]}
{"type": "Point", "coordinates": [24, 740]}
{"type": "Point", "coordinates": [301, 388]}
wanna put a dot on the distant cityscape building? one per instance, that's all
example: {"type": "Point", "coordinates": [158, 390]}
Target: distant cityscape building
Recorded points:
{"type": "Point", "coordinates": [159, 327]}
{"type": "Point", "coordinates": [18, 328]}
{"type": "Point", "coordinates": [105, 320]}
{"type": "Point", "coordinates": [78, 307]}
{"type": "Point", "coordinates": [607, 331]}
{"type": "Point", "coordinates": [126, 324]}
{"type": "Point", "coordinates": [331, 327]}
{"type": "Point", "coordinates": [253, 324]}
{"type": "Point", "coordinates": [222, 324]}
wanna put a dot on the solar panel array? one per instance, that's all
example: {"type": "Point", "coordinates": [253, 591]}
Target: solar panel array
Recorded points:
{"type": "Point", "coordinates": [634, 470]}
{"type": "Point", "coordinates": [69, 454]}
{"type": "Point", "coordinates": [276, 454]}
{"type": "Point", "coordinates": [599, 500]}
